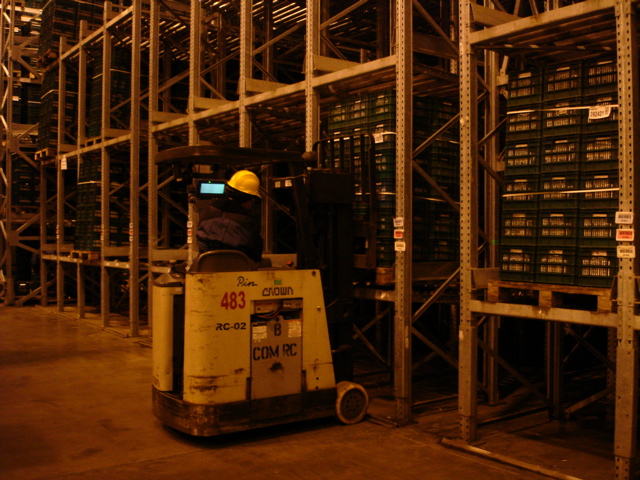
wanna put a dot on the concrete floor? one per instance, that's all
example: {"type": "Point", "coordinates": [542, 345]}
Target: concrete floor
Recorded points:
{"type": "Point", "coordinates": [75, 403]}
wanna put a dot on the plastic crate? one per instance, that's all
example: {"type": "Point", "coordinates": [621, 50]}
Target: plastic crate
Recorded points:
{"type": "Point", "coordinates": [385, 225]}
{"type": "Point", "coordinates": [518, 263]}
{"type": "Point", "coordinates": [524, 124]}
{"type": "Point", "coordinates": [597, 228]}
{"type": "Point", "coordinates": [443, 251]}
{"type": "Point", "coordinates": [600, 77]}
{"type": "Point", "coordinates": [386, 200]}
{"type": "Point", "coordinates": [556, 265]}
{"type": "Point", "coordinates": [602, 116]}
{"type": "Point", "coordinates": [599, 152]}
{"type": "Point", "coordinates": [560, 154]}
{"type": "Point", "coordinates": [559, 191]}
{"type": "Point", "coordinates": [521, 193]}
{"type": "Point", "coordinates": [524, 89]}
{"type": "Point", "coordinates": [563, 118]}
{"type": "Point", "coordinates": [522, 158]}
{"type": "Point", "coordinates": [558, 228]}
{"type": "Point", "coordinates": [604, 190]}
{"type": "Point", "coordinates": [518, 228]}
{"type": "Point", "coordinates": [563, 82]}
{"type": "Point", "coordinates": [596, 267]}
{"type": "Point", "coordinates": [385, 251]}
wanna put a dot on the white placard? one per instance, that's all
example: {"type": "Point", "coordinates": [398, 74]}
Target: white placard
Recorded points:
{"type": "Point", "coordinates": [626, 251]}
{"type": "Point", "coordinates": [624, 218]}
{"type": "Point", "coordinates": [599, 112]}
{"type": "Point", "coordinates": [63, 163]}
{"type": "Point", "coordinates": [398, 222]}
{"type": "Point", "coordinates": [400, 246]}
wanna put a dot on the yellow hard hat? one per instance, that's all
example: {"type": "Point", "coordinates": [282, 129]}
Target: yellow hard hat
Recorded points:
{"type": "Point", "coordinates": [245, 182]}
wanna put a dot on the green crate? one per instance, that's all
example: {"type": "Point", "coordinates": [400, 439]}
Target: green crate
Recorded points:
{"type": "Point", "coordinates": [522, 158]}
{"type": "Point", "coordinates": [556, 265]}
{"type": "Point", "coordinates": [386, 200]}
{"type": "Point", "coordinates": [385, 251]}
{"type": "Point", "coordinates": [563, 82]}
{"type": "Point", "coordinates": [563, 118]}
{"type": "Point", "coordinates": [558, 228]}
{"type": "Point", "coordinates": [600, 77]}
{"type": "Point", "coordinates": [443, 251]}
{"type": "Point", "coordinates": [521, 193]}
{"type": "Point", "coordinates": [560, 154]}
{"type": "Point", "coordinates": [524, 124]}
{"type": "Point", "coordinates": [524, 89]}
{"type": "Point", "coordinates": [602, 190]}
{"type": "Point", "coordinates": [597, 267]}
{"type": "Point", "coordinates": [518, 263]}
{"type": "Point", "coordinates": [597, 228]}
{"type": "Point", "coordinates": [599, 152]}
{"type": "Point", "coordinates": [559, 191]}
{"type": "Point", "coordinates": [518, 228]}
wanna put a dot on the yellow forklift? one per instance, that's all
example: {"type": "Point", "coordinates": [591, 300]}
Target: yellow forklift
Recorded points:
{"type": "Point", "coordinates": [238, 346]}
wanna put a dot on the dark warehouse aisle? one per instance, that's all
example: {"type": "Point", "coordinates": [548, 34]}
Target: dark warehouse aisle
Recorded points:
{"type": "Point", "coordinates": [76, 404]}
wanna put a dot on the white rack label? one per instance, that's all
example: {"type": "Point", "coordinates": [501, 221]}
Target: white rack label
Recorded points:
{"type": "Point", "coordinates": [624, 218]}
{"type": "Point", "coordinates": [600, 111]}
{"type": "Point", "coordinates": [63, 163]}
{"type": "Point", "coordinates": [626, 251]}
{"type": "Point", "coordinates": [400, 246]}
{"type": "Point", "coordinates": [398, 222]}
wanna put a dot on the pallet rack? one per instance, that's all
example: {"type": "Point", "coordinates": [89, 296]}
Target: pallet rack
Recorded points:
{"type": "Point", "coordinates": [267, 111]}
{"type": "Point", "coordinates": [122, 26]}
{"type": "Point", "coordinates": [591, 28]}
{"type": "Point", "coordinates": [18, 52]}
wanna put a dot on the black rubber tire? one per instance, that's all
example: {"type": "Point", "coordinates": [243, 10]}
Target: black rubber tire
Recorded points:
{"type": "Point", "coordinates": [352, 402]}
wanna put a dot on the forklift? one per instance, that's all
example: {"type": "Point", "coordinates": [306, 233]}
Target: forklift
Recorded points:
{"type": "Point", "coordinates": [239, 346]}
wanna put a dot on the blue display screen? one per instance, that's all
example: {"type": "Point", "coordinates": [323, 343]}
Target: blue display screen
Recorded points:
{"type": "Point", "coordinates": [212, 188]}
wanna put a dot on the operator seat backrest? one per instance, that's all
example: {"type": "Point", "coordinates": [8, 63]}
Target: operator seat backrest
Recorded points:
{"type": "Point", "coordinates": [223, 261]}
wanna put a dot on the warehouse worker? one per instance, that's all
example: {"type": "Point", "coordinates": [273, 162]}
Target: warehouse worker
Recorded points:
{"type": "Point", "coordinates": [232, 222]}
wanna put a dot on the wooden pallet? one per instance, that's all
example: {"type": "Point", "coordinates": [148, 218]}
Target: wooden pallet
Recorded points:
{"type": "Point", "coordinates": [547, 296]}
{"type": "Point", "coordinates": [48, 57]}
{"type": "Point", "coordinates": [92, 141]}
{"type": "Point", "coordinates": [45, 154]}
{"type": "Point", "coordinates": [85, 255]}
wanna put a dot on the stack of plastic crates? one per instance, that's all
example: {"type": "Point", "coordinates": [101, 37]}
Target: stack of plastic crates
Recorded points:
{"type": "Point", "coordinates": [561, 180]}
{"type": "Point", "coordinates": [120, 91]}
{"type": "Point", "coordinates": [25, 183]}
{"type": "Point", "coordinates": [48, 117]}
{"type": "Point", "coordinates": [435, 223]}
{"type": "Point", "coordinates": [88, 225]}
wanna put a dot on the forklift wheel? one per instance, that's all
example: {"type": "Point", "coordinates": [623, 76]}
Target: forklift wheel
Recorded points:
{"type": "Point", "coordinates": [352, 402]}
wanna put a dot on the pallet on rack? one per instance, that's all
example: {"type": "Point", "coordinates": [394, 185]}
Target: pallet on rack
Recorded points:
{"type": "Point", "coordinates": [547, 295]}
{"type": "Point", "coordinates": [85, 255]}
{"type": "Point", "coordinates": [92, 141]}
{"type": "Point", "coordinates": [45, 153]}
{"type": "Point", "coordinates": [48, 57]}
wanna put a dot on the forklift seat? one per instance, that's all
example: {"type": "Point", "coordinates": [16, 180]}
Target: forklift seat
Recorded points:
{"type": "Point", "coordinates": [223, 261]}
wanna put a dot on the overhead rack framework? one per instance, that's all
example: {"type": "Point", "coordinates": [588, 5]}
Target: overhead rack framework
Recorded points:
{"type": "Point", "coordinates": [261, 75]}
{"type": "Point", "coordinates": [111, 269]}
{"type": "Point", "coordinates": [19, 235]}
{"type": "Point", "coordinates": [583, 30]}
